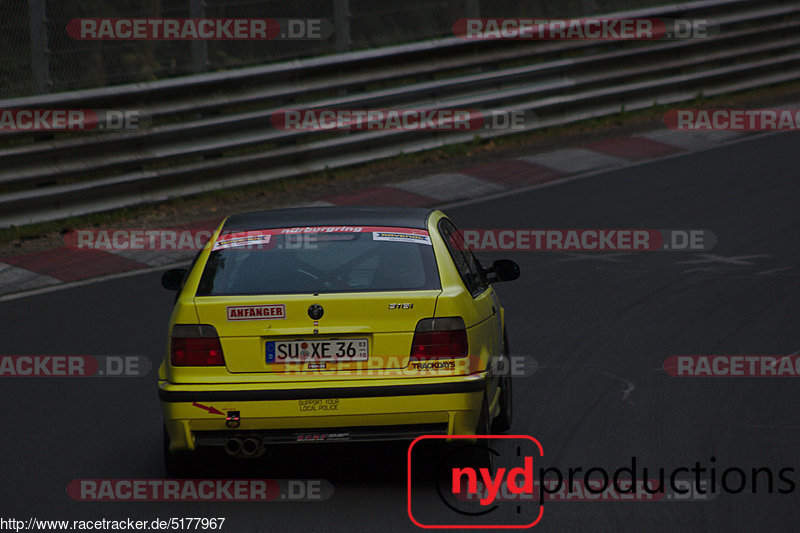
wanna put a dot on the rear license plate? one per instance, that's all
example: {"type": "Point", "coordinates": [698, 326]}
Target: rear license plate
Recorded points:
{"type": "Point", "coordinates": [329, 350]}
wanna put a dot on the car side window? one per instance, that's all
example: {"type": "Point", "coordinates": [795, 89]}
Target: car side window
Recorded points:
{"type": "Point", "coordinates": [470, 270]}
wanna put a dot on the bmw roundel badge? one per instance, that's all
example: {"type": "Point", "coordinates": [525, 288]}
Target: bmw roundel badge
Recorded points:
{"type": "Point", "coordinates": [315, 311]}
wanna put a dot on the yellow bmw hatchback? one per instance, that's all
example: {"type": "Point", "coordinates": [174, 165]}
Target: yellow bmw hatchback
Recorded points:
{"type": "Point", "coordinates": [332, 324]}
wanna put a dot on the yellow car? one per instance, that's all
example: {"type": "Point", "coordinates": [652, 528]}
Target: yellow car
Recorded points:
{"type": "Point", "coordinates": [332, 324]}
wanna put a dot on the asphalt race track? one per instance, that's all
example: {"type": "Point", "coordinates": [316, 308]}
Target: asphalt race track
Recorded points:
{"type": "Point", "coordinates": [596, 326]}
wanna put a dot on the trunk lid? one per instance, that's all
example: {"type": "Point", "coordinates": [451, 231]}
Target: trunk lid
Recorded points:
{"type": "Point", "coordinates": [276, 334]}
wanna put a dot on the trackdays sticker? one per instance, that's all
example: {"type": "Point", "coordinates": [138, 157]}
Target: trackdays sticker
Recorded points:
{"type": "Point", "coordinates": [395, 236]}
{"type": "Point", "coordinates": [256, 312]}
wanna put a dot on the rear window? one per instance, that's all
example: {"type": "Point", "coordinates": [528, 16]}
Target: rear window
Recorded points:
{"type": "Point", "coordinates": [318, 260]}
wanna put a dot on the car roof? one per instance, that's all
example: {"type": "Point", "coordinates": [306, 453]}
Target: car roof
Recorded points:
{"type": "Point", "coordinates": [404, 217]}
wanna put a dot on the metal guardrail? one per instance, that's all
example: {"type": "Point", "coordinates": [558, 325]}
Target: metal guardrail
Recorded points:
{"type": "Point", "coordinates": [213, 130]}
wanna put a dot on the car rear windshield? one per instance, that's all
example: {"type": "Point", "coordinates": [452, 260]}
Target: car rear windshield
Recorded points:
{"type": "Point", "coordinates": [321, 259]}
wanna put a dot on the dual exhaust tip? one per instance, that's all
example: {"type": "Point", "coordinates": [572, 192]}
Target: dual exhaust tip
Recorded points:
{"type": "Point", "coordinates": [244, 447]}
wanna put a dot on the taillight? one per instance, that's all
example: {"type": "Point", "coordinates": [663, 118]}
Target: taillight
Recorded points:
{"type": "Point", "coordinates": [440, 338]}
{"type": "Point", "coordinates": [195, 345]}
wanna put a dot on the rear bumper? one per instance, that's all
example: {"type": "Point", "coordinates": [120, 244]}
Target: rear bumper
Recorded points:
{"type": "Point", "coordinates": [338, 434]}
{"type": "Point", "coordinates": [396, 409]}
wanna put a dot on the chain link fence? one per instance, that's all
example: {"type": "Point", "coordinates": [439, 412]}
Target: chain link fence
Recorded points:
{"type": "Point", "coordinates": [38, 55]}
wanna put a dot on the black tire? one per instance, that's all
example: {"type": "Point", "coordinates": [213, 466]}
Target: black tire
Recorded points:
{"type": "Point", "coordinates": [177, 464]}
{"type": "Point", "coordinates": [502, 422]}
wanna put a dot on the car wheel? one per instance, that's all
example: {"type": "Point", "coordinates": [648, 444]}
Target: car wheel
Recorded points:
{"type": "Point", "coordinates": [502, 422]}
{"type": "Point", "coordinates": [176, 464]}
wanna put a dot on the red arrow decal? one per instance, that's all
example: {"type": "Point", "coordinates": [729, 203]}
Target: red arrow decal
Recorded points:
{"type": "Point", "coordinates": [210, 409]}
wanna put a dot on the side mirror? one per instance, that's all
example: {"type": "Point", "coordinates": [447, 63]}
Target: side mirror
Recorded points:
{"type": "Point", "coordinates": [503, 270]}
{"type": "Point", "coordinates": [172, 280]}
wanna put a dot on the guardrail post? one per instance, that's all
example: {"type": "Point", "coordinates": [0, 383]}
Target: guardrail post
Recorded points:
{"type": "Point", "coordinates": [40, 60]}
{"type": "Point", "coordinates": [341, 25]}
{"type": "Point", "coordinates": [197, 10]}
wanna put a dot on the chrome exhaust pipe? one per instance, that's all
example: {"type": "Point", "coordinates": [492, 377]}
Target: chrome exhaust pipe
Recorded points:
{"type": "Point", "coordinates": [233, 446]}
{"type": "Point", "coordinates": [251, 446]}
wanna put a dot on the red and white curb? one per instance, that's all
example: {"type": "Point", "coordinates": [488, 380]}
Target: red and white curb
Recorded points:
{"type": "Point", "coordinates": [575, 160]}
{"type": "Point", "coordinates": [40, 270]}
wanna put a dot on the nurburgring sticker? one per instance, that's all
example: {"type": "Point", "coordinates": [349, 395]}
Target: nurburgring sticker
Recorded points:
{"type": "Point", "coordinates": [264, 236]}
